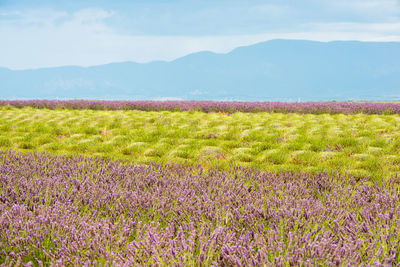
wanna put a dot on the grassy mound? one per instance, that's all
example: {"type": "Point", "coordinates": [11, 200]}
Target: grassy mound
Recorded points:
{"type": "Point", "coordinates": [364, 145]}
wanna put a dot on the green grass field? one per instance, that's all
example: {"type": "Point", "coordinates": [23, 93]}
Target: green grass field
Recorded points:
{"type": "Point", "coordinates": [359, 144]}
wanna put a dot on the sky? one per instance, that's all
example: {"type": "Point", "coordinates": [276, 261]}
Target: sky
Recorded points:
{"type": "Point", "coordinates": [48, 33]}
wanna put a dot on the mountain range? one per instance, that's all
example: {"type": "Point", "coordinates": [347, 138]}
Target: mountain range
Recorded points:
{"type": "Point", "coordinates": [277, 70]}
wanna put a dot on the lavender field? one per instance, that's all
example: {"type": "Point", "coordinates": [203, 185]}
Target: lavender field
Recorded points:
{"type": "Point", "coordinates": [83, 211]}
{"type": "Point", "coordinates": [199, 133]}
{"type": "Point", "coordinates": [199, 183]}
{"type": "Point", "coordinates": [216, 106]}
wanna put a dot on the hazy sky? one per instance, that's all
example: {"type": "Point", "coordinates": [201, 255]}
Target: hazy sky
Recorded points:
{"type": "Point", "coordinates": [45, 33]}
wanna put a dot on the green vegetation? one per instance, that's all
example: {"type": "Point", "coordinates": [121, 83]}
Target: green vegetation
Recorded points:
{"type": "Point", "coordinates": [359, 144]}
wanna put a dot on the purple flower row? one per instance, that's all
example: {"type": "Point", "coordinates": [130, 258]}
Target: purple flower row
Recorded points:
{"type": "Point", "coordinates": [215, 106]}
{"type": "Point", "coordinates": [77, 210]}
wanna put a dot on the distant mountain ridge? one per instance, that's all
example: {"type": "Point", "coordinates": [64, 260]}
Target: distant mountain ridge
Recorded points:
{"type": "Point", "coordinates": [284, 70]}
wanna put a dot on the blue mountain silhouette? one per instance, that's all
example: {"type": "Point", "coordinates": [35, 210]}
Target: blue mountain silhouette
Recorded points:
{"type": "Point", "coordinates": [272, 70]}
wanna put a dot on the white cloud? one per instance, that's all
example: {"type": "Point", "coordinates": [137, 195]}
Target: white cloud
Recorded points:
{"type": "Point", "coordinates": [43, 38]}
{"type": "Point", "coordinates": [31, 18]}
{"type": "Point", "coordinates": [372, 30]}
{"type": "Point", "coordinates": [383, 9]}
{"type": "Point", "coordinates": [372, 5]}
{"type": "Point", "coordinates": [9, 13]}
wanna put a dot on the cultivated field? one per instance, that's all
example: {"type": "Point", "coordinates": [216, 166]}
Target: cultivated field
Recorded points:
{"type": "Point", "coordinates": [82, 211]}
{"type": "Point", "coordinates": [219, 186]}
{"type": "Point", "coordinates": [363, 145]}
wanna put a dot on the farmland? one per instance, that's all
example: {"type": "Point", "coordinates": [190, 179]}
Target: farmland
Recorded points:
{"type": "Point", "coordinates": [75, 211]}
{"type": "Point", "coordinates": [170, 183]}
{"type": "Point", "coordinates": [364, 145]}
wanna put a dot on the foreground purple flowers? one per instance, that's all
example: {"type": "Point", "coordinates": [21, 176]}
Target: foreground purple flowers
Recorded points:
{"type": "Point", "coordinates": [215, 106]}
{"type": "Point", "coordinates": [79, 210]}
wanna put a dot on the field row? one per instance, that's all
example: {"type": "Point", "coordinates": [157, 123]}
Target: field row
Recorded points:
{"type": "Point", "coordinates": [76, 211]}
{"type": "Point", "coordinates": [360, 144]}
{"type": "Point", "coordinates": [215, 106]}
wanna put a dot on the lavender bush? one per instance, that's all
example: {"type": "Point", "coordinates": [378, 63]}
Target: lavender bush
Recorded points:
{"type": "Point", "coordinates": [79, 210]}
{"type": "Point", "coordinates": [214, 106]}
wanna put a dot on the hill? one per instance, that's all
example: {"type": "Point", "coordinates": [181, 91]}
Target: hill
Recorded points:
{"type": "Point", "coordinates": [273, 70]}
